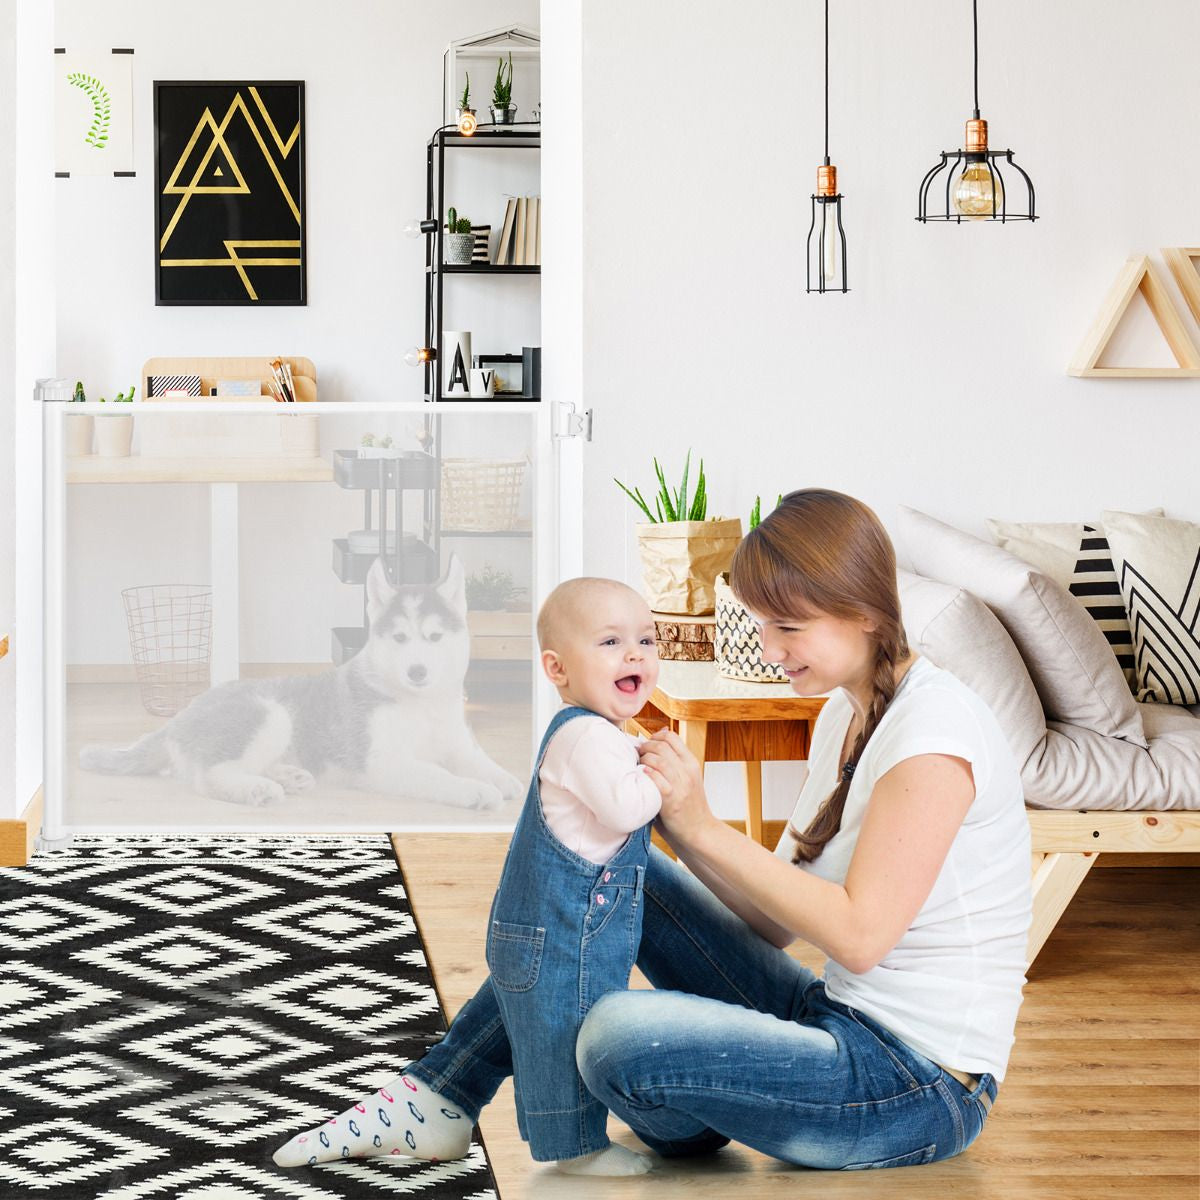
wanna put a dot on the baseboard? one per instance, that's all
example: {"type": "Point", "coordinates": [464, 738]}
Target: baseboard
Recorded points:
{"type": "Point", "coordinates": [17, 836]}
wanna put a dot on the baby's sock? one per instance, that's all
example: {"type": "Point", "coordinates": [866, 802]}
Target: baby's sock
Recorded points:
{"type": "Point", "coordinates": [405, 1117]}
{"type": "Point", "coordinates": [612, 1160]}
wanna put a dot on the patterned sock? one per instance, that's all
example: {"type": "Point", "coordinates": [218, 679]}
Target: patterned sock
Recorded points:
{"type": "Point", "coordinates": [612, 1160]}
{"type": "Point", "coordinates": [404, 1117]}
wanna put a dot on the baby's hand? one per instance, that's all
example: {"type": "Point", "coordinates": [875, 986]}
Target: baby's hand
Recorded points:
{"type": "Point", "coordinates": [655, 776]}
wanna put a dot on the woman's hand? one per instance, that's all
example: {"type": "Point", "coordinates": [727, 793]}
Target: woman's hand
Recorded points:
{"type": "Point", "coordinates": [679, 777]}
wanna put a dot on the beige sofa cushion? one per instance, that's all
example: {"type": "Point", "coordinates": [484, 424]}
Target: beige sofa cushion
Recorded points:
{"type": "Point", "coordinates": [959, 633]}
{"type": "Point", "coordinates": [1072, 668]}
{"type": "Point", "coordinates": [1062, 766]}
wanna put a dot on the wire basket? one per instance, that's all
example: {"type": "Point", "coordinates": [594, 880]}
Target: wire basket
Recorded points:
{"type": "Point", "coordinates": [170, 636]}
{"type": "Point", "coordinates": [481, 495]}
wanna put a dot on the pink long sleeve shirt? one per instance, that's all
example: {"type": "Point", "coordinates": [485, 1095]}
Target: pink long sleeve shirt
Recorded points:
{"type": "Point", "coordinates": [594, 791]}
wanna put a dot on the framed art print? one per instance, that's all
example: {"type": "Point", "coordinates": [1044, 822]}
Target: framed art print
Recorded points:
{"type": "Point", "coordinates": [229, 193]}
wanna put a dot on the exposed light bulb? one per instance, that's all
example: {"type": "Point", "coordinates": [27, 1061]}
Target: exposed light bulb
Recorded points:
{"type": "Point", "coordinates": [419, 355]}
{"type": "Point", "coordinates": [418, 226]}
{"type": "Point", "coordinates": [830, 246]}
{"type": "Point", "coordinates": [467, 122]}
{"type": "Point", "coordinates": [978, 192]}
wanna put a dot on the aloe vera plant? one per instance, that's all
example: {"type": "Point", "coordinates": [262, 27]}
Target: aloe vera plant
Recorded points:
{"type": "Point", "coordinates": [465, 102]}
{"type": "Point", "coordinates": [673, 505]}
{"type": "Point", "coordinates": [502, 88]}
{"type": "Point", "coordinates": [756, 511]}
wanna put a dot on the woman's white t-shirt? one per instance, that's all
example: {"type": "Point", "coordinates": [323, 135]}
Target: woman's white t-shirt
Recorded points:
{"type": "Point", "coordinates": [950, 988]}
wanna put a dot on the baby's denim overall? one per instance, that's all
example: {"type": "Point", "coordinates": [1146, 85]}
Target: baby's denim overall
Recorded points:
{"type": "Point", "coordinates": [563, 932]}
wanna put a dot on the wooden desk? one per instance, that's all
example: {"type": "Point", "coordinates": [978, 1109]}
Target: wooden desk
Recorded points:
{"type": "Point", "coordinates": [222, 476]}
{"type": "Point", "coordinates": [724, 720]}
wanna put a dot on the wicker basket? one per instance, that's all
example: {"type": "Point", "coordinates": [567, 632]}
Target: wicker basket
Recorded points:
{"type": "Point", "coordinates": [481, 495]}
{"type": "Point", "coordinates": [170, 636]}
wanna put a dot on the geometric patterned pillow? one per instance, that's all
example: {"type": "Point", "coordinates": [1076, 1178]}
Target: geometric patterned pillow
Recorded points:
{"type": "Point", "coordinates": [1157, 561]}
{"type": "Point", "coordinates": [1077, 556]}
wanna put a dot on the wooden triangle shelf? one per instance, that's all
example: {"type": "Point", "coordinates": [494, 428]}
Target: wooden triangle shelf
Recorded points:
{"type": "Point", "coordinates": [1140, 276]}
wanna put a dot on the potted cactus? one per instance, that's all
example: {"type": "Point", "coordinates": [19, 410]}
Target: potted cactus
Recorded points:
{"type": "Point", "coordinates": [460, 241]}
{"type": "Point", "coordinates": [77, 433]}
{"type": "Point", "coordinates": [504, 111]}
{"type": "Point", "coordinates": [737, 642]}
{"type": "Point", "coordinates": [682, 549]}
{"type": "Point", "coordinates": [114, 434]}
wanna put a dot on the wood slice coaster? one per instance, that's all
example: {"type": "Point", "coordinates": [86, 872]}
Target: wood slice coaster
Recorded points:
{"type": "Point", "coordinates": [689, 639]}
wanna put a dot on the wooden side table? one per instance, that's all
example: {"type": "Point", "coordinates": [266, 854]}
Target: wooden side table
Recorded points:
{"type": "Point", "coordinates": [724, 720]}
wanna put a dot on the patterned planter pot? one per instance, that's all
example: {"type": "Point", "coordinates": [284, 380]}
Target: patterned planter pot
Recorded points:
{"type": "Point", "coordinates": [458, 249]}
{"type": "Point", "coordinates": [738, 646]}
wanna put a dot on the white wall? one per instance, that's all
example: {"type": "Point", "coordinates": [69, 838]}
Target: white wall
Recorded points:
{"type": "Point", "coordinates": [939, 381]}
{"type": "Point", "coordinates": [373, 95]}
{"type": "Point", "coordinates": [26, 353]}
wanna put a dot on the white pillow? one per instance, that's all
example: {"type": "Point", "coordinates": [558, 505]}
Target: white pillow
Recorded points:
{"type": "Point", "coordinates": [1068, 659]}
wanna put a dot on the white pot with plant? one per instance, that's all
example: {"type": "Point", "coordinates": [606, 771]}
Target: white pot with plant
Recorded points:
{"type": "Point", "coordinates": [114, 432]}
{"type": "Point", "coordinates": [460, 241]}
{"type": "Point", "coordinates": [504, 111]}
{"type": "Point", "coordinates": [682, 549]}
{"type": "Point", "coordinates": [737, 641]}
{"type": "Point", "coordinates": [77, 433]}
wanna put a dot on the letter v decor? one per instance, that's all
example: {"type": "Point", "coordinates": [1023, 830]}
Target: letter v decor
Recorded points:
{"type": "Point", "coordinates": [1140, 275]}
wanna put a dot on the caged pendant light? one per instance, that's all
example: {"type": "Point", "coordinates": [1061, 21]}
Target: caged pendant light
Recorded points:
{"type": "Point", "coordinates": [825, 269]}
{"type": "Point", "coordinates": [977, 191]}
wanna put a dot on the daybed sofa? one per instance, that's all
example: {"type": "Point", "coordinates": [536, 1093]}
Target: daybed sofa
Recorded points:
{"type": "Point", "coordinates": [1101, 771]}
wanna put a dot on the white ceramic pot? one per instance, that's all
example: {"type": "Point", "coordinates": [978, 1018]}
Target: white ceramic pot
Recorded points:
{"type": "Point", "coordinates": [114, 436]}
{"type": "Point", "coordinates": [456, 363]}
{"type": "Point", "coordinates": [77, 434]}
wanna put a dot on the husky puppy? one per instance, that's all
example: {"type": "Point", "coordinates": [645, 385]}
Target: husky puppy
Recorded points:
{"type": "Point", "coordinates": [390, 720]}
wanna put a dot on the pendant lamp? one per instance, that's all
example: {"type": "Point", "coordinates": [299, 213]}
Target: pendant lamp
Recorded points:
{"type": "Point", "coordinates": [974, 187]}
{"type": "Point", "coordinates": [825, 269]}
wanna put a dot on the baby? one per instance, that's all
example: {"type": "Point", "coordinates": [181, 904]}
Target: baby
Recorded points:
{"type": "Point", "coordinates": [566, 920]}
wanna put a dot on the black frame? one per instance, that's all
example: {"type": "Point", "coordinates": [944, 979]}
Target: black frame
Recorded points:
{"type": "Point", "coordinates": [299, 295]}
{"type": "Point", "coordinates": [827, 204]}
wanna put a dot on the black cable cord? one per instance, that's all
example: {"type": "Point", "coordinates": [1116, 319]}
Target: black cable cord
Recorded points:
{"type": "Point", "coordinates": [827, 82]}
{"type": "Point", "coordinates": [975, 23]}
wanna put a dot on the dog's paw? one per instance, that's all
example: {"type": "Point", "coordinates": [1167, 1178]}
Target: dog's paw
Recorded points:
{"type": "Point", "coordinates": [255, 793]}
{"type": "Point", "coordinates": [511, 788]}
{"type": "Point", "coordinates": [486, 796]}
{"type": "Point", "coordinates": [292, 779]}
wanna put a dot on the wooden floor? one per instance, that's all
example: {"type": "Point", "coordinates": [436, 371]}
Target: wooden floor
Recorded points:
{"type": "Point", "coordinates": [1102, 1097]}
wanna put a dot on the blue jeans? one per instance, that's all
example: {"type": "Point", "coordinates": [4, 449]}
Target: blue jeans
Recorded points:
{"type": "Point", "coordinates": [737, 1043]}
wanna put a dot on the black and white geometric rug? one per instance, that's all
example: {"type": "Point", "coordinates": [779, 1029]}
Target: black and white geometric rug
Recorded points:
{"type": "Point", "coordinates": [173, 1008]}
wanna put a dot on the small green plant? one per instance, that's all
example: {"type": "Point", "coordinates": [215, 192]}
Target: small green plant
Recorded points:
{"type": "Point", "coordinates": [756, 511]}
{"type": "Point", "coordinates": [77, 395]}
{"type": "Point", "coordinates": [120, 397]}
{"type": "Point", "coordinates": [673, 505]}
{"type": "Point", "coordinates": [457, 224]}
{"type": "Point", "coordinates": [491, 588]}
{"type": "Point", "coordinates": [465, 102]}
{"type": "Point", "coordinates": [502, 88]}
{"type": "Point", "coordinates": [383, 443]}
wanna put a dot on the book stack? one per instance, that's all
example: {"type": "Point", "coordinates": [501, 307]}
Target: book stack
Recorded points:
{"type": "Point", "coordinates": [520, 243]}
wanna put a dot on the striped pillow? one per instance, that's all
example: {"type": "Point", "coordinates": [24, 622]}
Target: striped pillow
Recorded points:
{"type": "Point", "coordinates": [1078, 556]}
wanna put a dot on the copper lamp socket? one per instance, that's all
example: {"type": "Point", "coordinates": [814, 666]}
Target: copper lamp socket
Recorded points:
{"type": "Point", "coordinates": [827, 180]}
{"type": "Point", "coordinates": [976, 136]}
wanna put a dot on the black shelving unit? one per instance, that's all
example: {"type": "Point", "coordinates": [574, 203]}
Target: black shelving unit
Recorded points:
{"type": "Point", "coordinates": [515, 138]}
{"type": "Point", "coordinates": [407, 558]}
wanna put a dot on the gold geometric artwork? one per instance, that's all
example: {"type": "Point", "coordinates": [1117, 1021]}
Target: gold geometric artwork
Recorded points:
{"type": "Point", "coordinates": [207, 167]}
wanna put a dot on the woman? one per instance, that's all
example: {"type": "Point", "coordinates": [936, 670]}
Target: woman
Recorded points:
{"type": "Point", "coordinates": [906, 861]}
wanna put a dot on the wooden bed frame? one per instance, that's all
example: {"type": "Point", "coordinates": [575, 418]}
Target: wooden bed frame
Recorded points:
{"type": "Point", "coordinates": [1066, 846]}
